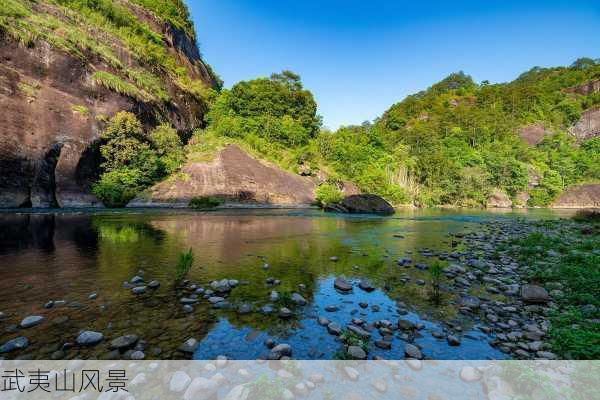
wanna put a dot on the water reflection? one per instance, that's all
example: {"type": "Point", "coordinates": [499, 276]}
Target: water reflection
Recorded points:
{"type": "Point", "coordinates": [68, 256]}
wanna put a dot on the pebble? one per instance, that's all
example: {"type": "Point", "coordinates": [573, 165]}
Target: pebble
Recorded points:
{"type": "Point", "coordinates": [93, 296]}
{"type": "Point", "coordinates": [356, 353]}
{"type": "Point", "coordinates": [366, 286]}
{"type": "Point", "coordinates": [139, 290]}
{"type": "Point", "coordinates": [124, 342]}
{"type": "Point", "coordinates": [244, 309]}
{"type": "Point", "coordinates": [189, 346]}
{"type": "Point", "coordinates": [137, 355]}
{"type": "Point", "coordinates": [89, 338]}
{"type": "Point", "coordinates": [323, 321]}
{"type": "Point", "coordinates": [18, 343]}
{"type": "Point", "coordinates": [284, 313]}
{"type": "Point", "coordinates": [281, 350]}
{"type": "Point", "coordinates": [154, 284]}
{"type": "Point", "coordinates": [334, 328]}
{"type": "Point", "coordinates": [331, 308]}
{"type": "Point", "coordinates": [412, 351]}
{"type": "Point", "coordinates": [31, 320]}
{"type": "Point", "coordinates": [215, 299]}
{"type": "Point", "coordinates": [274, 296]}
{"type": "Point", "coordinates": [453, 340]}
{"type": "Point", "coordinates": [298, 299]}
{"type": "Point", "coordinates": [342, 284]}
{"type": "Point", "coordinates": [188, 309]}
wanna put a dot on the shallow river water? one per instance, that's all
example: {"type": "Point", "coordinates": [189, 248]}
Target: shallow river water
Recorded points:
{"type": "Point", "coordinates": [66, 256]}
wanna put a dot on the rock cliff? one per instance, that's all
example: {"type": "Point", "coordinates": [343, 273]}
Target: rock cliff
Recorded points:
{"type": "Point", "coordinates": [581, 196]}
{"type": "Point", "coordinates": [63, 73]}
{"type": "Point", "coordinates": [233, 176]}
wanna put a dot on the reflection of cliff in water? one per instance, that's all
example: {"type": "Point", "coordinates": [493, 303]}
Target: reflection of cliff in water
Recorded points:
{"type": "Point", "coordinates": [23, 231]}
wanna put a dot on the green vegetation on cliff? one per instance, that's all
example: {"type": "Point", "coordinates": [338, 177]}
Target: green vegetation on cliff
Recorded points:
{"type": "Point", "coordinates": [454, 143]}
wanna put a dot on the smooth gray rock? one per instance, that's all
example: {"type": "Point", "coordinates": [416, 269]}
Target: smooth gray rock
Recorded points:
{"type": "Point", "coordinates": [342, 284]}
{"type": "Point", "coordinates": [360, 332]}
{"type": "Point", "coordinates": [124, 342]}
{"type": "Point", "coordinates": [31, 320]}
{"type": "Point", "coordinates": [532, 294]}
{"type": "Point", "coordinates": [154, 284]}
{"type": "Point", "coordinates": [189, 346]}
{"type": "Point", "coordinates": [89, 338]}
{"type": "Point", "coordinates": [357, 353]}
{"type": "Point", "coordinates": [453, 340]}
{"type": "Point", "coordinates": [281, 350]}
{"type": "Point", "coordinates": [215, 299]}
{"type": "Point", "coordinates": [334, 328]}
{"type": "Point", "coordinates": [18, 343]}
{"type": "Point", "coordinates": [366, 285]}
{"type": "Point", "coordinates": [298, 299]}
{"type": "Point", "coordinates": [284, 313]}
{"type": "Point", "coordinates": [412, 351]}
{"type": "Point", "coordinates": [139, 290]}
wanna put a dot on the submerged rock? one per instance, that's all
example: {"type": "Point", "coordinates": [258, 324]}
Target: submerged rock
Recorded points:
{"type": "Point", "coordinates": [342, 284]}
{"type": "Point", "coordinates": [412, 351]}
{"type": "Point", "coordinates": [189, 346]}
{"type": "Point", "coordinates": [124, 342]}
{"type": "Point", "coordinates": [356, 353]}
{"type": "Point", "coordinates": [281, 350]}
{"type": "Point", "coordinates": [366, 286]}
{"type": "Point", "coordinates": [298, 299]}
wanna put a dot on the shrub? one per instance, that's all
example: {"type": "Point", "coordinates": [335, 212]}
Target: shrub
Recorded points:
{"type": "Point", "coordinates": [169, 149]}
{"type": "Point", "coordinates": [205, 202]}
{"type": "Point", "coordinates": [116, 188]}
{"type": "Point", "coordinates": [327, 194]}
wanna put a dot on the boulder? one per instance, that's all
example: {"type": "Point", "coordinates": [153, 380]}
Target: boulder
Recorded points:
{"type": "Point", "coordinates": [499, 199]}
{"type": "Point", "coordinates": [362, 204]}
{"type": "Point", "coordinates": [532, 294]}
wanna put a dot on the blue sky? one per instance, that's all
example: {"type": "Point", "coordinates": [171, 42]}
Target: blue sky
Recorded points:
{"type": "Point", "coordinates": [360, 57]}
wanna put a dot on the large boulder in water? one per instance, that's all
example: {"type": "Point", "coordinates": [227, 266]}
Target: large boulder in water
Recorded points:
{"type": "Point", "coordinates": [362, 204]}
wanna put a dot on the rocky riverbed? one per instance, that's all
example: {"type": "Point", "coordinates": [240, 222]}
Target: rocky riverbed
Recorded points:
{"type": "Point", "coordinates": [275, 286]}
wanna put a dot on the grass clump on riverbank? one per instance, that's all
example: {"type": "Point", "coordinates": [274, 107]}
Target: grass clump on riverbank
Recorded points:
{"type": "Point", "coordinates": [201, 203]}
{"type": "Point", "coordinates": [571, 272]}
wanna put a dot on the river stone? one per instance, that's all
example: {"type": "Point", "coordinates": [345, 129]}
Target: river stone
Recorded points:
{"type": "Point", "coordinates": [137, 355]}
{"type": "Point", "coordinates": [139, 290]}
{"type": "Point", "coordinates": [532, 294]}
{"type": "Point", "coordinates": [124, 342]}
{"type": "Point", "coordinates": [154, 285]}
{"type": "Point", "coordinates": [357, 353]}
{"type": "Point", "coordinates": [298, 299]}
{"type": "Point", "coordinates": [189, 346]}
{"type": "Point", "coordinates": [342, 284]}
{"type": "Point", "coordinates": [405, 325]}
{"type": "Point", "coordinates": [31, 320]}
{"type": "Point", "coordinates": [89, 338]}
{"type": "Point", "coordinates": [284, 313]}
{"type": "Point", "coordinates": [334, 328]}
{"type": "Point", "coordinates": [470, 301]}
{"type": "Point", "coordinates": [412, 351]}
{"type": "Point", "coordinates": [187, 300]}
{"type": "Point", "coordinates": [281, 350]}
{"type": "Point", "coordinates": [244, 309]}
{"type": "Point", "coordinates": [274, 296]}
{"type": "Point", "coordinates": [136, 279]}
{"type": "Point", "coordinates": [453, 340]}
{"type": "Point", "coordinates": [383, 344]}
{"type": "Point", "coordinates": [215, 299]}
{"type": "Point", "coordinates": [366, 285]}
{"type": "Point", "coordinates": [360, 332]}
{"type": "Point", "coordinates": [18, 343]}
{"type": "Point", "coordinates": [188, 309]}
{"type": "Point", "coordinates": [323, 321]}
{"type": "Point", "coordinates": [266, 309]}
{"type": "Point", "coordinates": [331, 308]}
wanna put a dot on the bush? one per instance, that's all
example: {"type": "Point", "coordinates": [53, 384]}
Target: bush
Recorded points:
{"type": "Point", "coordinates": [116, 188]}
{"type": "Point", "coordinates": [327, 194]}
{"type": "Point", "coordinates": [204, 202]}
{"type": "Point", "coordinates": [168, 147]}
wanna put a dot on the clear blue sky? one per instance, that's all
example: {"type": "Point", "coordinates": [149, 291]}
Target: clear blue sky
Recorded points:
{"type": "Point", "coordinates": [360, 57]}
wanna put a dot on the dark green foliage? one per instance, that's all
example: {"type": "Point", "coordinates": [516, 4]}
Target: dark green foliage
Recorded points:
{"type": "Point", "coordinates": [133, 160]}
{"type": "Point", "coordinates": [184, 264]}
{"type": "Point", "coordinates": [205, 202]}
{"type": "Point", "coordinates": [277, 109]}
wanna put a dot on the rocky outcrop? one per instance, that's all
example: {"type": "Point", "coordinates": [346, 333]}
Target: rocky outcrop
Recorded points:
{"type": "Point", "coordinates": [585, 89]}
{"type": "Point", "coordinates": [53, 111]}
{"type": "Point", "coordinates": [499, 199]}
{"type": "Point", "coordinates": [235, 177]}
{"type": "Point", "coordinates": [533, 134]}
{"type": "Point", "coordinates": [588, 125]}
{"type": "Point", "coordinates": [362, 204]}
{"type": "Point", "coordinates": [581, 196]}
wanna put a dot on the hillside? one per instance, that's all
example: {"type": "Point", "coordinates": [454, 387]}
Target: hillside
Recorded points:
{"type": "Point", "coordinates": [67, 67]}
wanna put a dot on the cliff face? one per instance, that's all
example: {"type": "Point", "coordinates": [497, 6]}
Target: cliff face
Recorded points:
{"type": "Point", "coordinates": [62, 76]}
{"type": "Point", "coordinates": [582, 196]}
{"type": "Point", "coordinates": [233, 176]}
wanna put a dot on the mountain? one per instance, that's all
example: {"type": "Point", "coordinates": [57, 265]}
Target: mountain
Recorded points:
{"type": "Point", "coordinates": [67, 66]}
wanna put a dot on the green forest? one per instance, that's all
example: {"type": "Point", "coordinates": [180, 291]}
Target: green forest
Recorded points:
{"type": "Point", "coordinates": [452, 144]}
